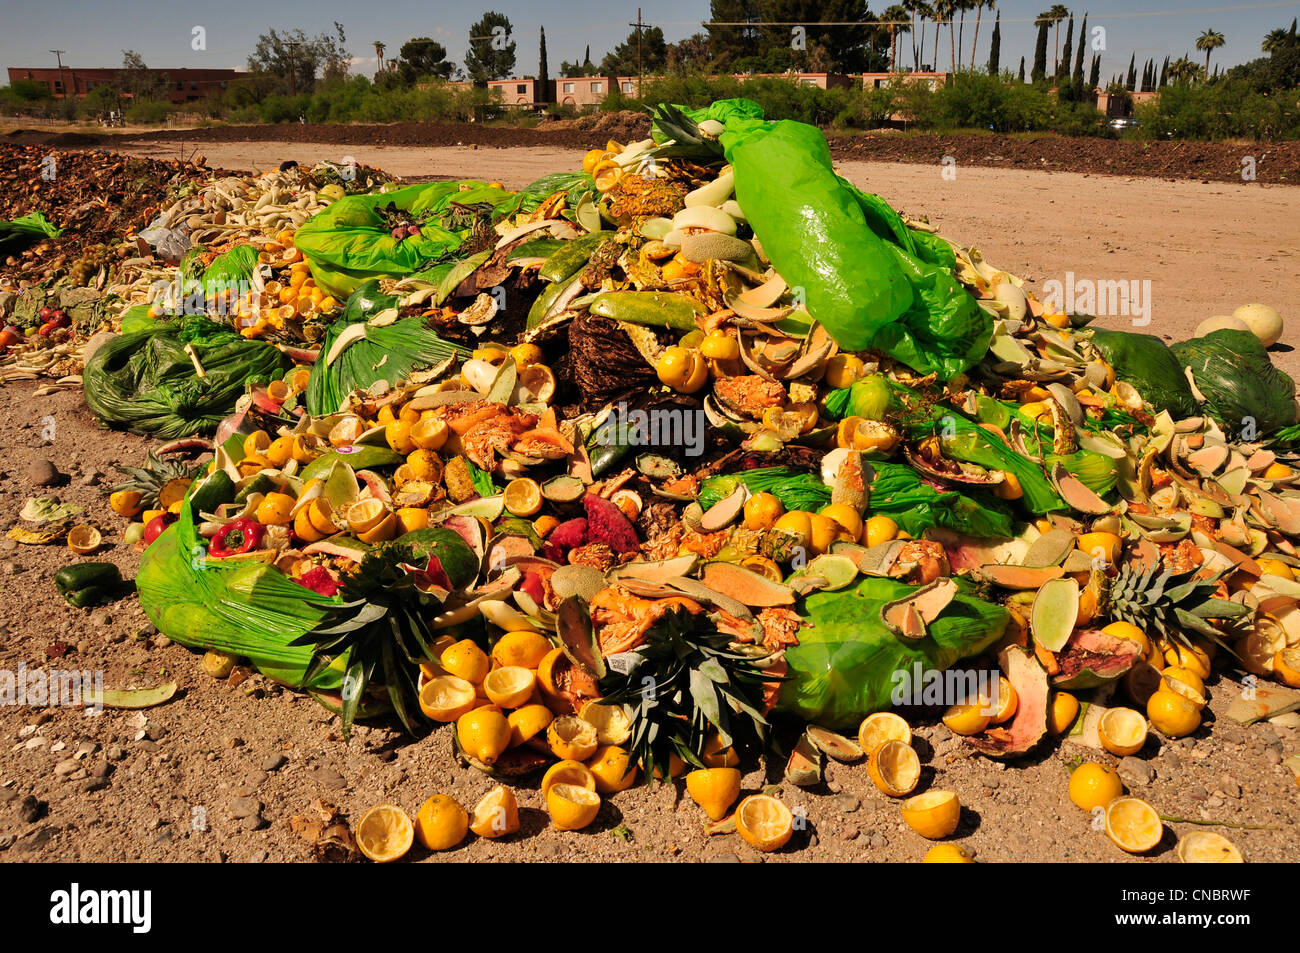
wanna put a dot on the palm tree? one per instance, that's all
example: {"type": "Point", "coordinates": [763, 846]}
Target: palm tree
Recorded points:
{"type": "Point", "coordinates": [917, 9]}
{"type": "Point", "coordinates": [1183, 70]}
{"type": "Point", "coordinates": [1275, 40]}
{"type": "Point", "coordinates": [895, 17]}
{"type": "Point", "coordinates": [379, 55]}
{"type": "Point", "coordinates": [979, 12]}
{"type": "Point", "coordinates": [1057, 14]}
{"type": "Point", "coordinates": [1209, 41]}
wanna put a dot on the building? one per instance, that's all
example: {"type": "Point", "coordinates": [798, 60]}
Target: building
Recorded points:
{"type": "Point", "coordinates": [580, 91]}
{"type": "Point", "coordinates": [819, 80]}
{"type": "Point", "coordinates": [1116, 107]}
{"type": "Point", "coordinates": [885, 80]}
{"type": "Point", "coordinates": [521, 93]}
{"type": "Point", "coordinates": [183, 85]}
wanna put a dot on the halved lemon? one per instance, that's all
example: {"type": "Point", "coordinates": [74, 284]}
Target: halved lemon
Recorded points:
{"type": "Point", "coordinates": [537, 383]}
{"type": "Point", "coordinates": [447, 697]}
{"type": "Point", "coordinates": [429, 433]}
{"type": "Point", "coordinates": [764, 822]}
{"type": "Point", "coordinates": [525, 647]}
{"type": "Point", "coordinates": [84, 539]}
{"type": "Point", "coordinates": [496, 814]}
{"type": "Point", "coordinates": [613, 769]}
{"type": "Point", "coordinates": [467, 660]}
{"type": "Point", "coordinates": [1008, 701]}
{"type": "Point", "coordinates": [1286, 666]}
{"type": "Point", "coordinates": [568, 772]}
{"type": "Point", "coordinates": [934, 814]}
{"type": "Point", "coordinates": [382, 531]}
{"type": "Point", "coordinates": [883, 726]}
{"type": "Point", "coordinates": [385, 833]}
{"type": "Point", "coordinates": [571, 807]}
{"type": "Point", "coordinates": [441, 823]}
{"type": "Point", "coordinates": [894, 768]}
{"type": "Point", "coordinates": [510, 686]}
{"type": "Point", "coordinates": [612, 723]}
{"type": "Point", "coordinates": [1133, 825]}
{"type": "Point", "coordinates": [527, 722]}
{"type": "Point", "coordinates": [714, 789]}
{"type": "Point", "coordinates": [1122, 731]}
{"type": "Point", "coordinates": [947, 854]}
{"type": "Point", "coordinates": [365, 515]}
{"type": "Point", "coordinates": [968, 718]}
{"type": "Point", "coordinates": [523, 497]}
{"type": "Point", "coordinates": [1207, 847]}
{"type": "Point", "coordinates": [571, 738]}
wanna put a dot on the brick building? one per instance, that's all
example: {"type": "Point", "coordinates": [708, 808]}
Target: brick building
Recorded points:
{"type": "Point", "coordinates": [183, 85]}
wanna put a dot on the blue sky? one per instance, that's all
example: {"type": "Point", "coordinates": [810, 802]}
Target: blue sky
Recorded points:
{"type": "Point", "coordinates": [94, 32]}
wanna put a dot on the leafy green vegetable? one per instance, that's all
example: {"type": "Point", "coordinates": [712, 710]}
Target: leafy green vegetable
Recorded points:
{"type": "Point", "coordinates": [1144, 361]}
{"type": "Point", "coordinates": [1242, 388]}
{"type": "Point", "coordinates": [796, 489]}
{"type": "Point", "coordinates": [847, 664]}
{"type": "Point", "coordinates": [899, 492]}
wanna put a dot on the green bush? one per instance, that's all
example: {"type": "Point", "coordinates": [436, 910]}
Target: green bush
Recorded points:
{"type": "Point", "coordinates": [150, 112]}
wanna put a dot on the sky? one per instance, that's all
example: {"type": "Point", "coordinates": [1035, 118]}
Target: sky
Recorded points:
{"type": "Point", "coordinates": [94, 33]}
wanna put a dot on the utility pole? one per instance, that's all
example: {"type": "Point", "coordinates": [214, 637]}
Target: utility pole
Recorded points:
{"type": "Point", "coordinates": [59, 59]}
{"type": "Point", "coordinates": [640, 73]}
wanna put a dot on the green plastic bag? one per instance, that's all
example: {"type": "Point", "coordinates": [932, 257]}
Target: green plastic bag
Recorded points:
{"type": "Point", "coordinates": [868, 278]}
{"type": "Point", "coordinates": [146, 382]}
{"type": "Point", "coordinates": [16, 234]}
{"type": "Point", "coordinates": [1242, 388]}
{"type": "Point", "coordinates": [349, 240]}
{"type": "Point", "coordinates": [1144, 361]}
{"type": "Point", "coordinates": [899, 492]}
{"type": "Point", "coordinates": [230, 269]}
{"type": "Point", "coordinates": [243, 608]}
{"type": "Point", "coordinates": [389, 352]}
{"type": "Point", "coordinates": [848, 665]}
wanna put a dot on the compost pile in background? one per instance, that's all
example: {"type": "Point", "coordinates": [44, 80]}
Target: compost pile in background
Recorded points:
{"type": "Point", "coordinates": [627, 424]}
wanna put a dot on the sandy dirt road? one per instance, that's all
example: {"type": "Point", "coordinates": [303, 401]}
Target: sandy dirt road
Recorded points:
{"type": "Point", "coordinates": [1204, 248]}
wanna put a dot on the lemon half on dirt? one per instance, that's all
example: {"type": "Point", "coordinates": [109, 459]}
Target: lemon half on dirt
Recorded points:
{"type": "Point", "coordinates": [84, 540]}
{"type": "Point", "coordinates": [446, 698]}
{"type": "Point", "coordinates": [934, 814]}
{"type": "Point", "coordinates": [883, 726]}
{"type": "Point", "coordinates": [894, 768]}
{"type": "Point", "coordinates": [612, 723]}
{"type": "Point", "coordinates": [571, 807]}
{"type": "Point", "coordinates": [1122, 731]}
{"type": "Point", "coordinates": [764, 822]}
{"type": "Point", "coordinates": [385, 833]}
{"type": "Point", "coordinates": [1133, 825]}
{"type": "Point", "coordinates": [1207, 847]}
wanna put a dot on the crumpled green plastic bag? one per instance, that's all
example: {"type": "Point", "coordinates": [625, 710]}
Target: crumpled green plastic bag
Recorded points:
{"type": "Point", "coordinates": [146, 382]}
{"type": "Point", "coordinates": [1243, 390]}
{"type": "Point", "coordinates": [848, 665]}
{"type": "Point", "coordinates": [249, 609]}
{"type": "Point", "coordinates": [1146, 362]}
{"type": "Point", "coordinates": [348, 242]}
{"type": "Point", "coordinates": [16, 234]}
{"type": "Point", "coordinates": [870, 280]}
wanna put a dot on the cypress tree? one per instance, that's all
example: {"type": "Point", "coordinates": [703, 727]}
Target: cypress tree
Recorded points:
{"type": "Point", "coordinates": [1131, 82]}
{"type": "Point", "coordinates": [1040, 53]}
{"type": "Point", "coordinates": [1077, 78]}
{"type": "Point", "coordinates": [1022, 69]}
{"type": "Point", "coordinates": [995, 47]}
{"type": "Point", "coordinates": [1164, 74]}
{"type": "Point", "coordinates": [1063, 67]}
{"type": "Point", "coordinates": [543, 74]}
{"type": "Point", "coordinates": [1094, 72]}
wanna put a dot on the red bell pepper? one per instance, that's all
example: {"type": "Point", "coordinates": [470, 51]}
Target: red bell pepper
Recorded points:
{"type": "Point", "coordinates": [241, 536]}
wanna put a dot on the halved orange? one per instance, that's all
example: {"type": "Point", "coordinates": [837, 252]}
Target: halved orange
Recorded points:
{"type": "Point", "coordinates": [1207, 847]}
{"type": "Point", "coordinates": [934, 814]}
{"type": "Point", "coordinates": [571, 807]}
{"type": "Point", "coordinates": [366, 514]}
{"type": "Point", "coordinates": [523, 497]}
{"type": "Point", "coordinates": [429, 433]}
{"type": "Point", "coordinates": [385, 833]}
{"type": "Point", "coordinates": [1122, 731]}
{"type": "Point", "coordinates": [447, 697]}
{"type": "Point", "coordinates": [84, 539]}
{"type": "Point", "coordinates": [571, 738]}
{"type": "Point", "coordinates": [496, 814]}
{"type": "Point", "coordinates": [1133, 825]}
{"type": "Point", "coordinates": [528, 721]}
{"type": "Point", "coordinates": [764, 823]}
{"type": "Point", "coordinates": [612, 723]}
{"type": "Point", "coordinates": [509, 687]}
{"type": "Point", "coordinates": [537, 382]}
{"type": "Point", "coordinates": [894, 768]}
{"type": "Point", "coordinates": [568, 772]}
{"type": "Point", "coordinates": [883, 726]}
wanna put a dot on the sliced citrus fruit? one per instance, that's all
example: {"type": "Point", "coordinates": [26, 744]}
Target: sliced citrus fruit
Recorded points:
{"type": "Point", "coordinates": [496, 814]}
{"type": "Point", "coordinates": [968, 718]}
{"type": "Point", "coordinates": [1065, 708]}
{"type": "Point", "coordinates": [571, 807]}
{"type": "Point", "coordinates": [1172, 712]}
{"type": "Point", "coordinates": [1094, 785]}
{"type": "Point", "coordinates": [764, 822]}
{"type": "Point", "coordinates": [537, 384]}
{"type": "Point", "coordinates": [1122, 731]}
{"type": "Point", "coordinates": [568, 772]}
{"type": "Point", "coordinates": [385, 833]}
{"type": "Point", "coordinates": [1207, 847]}
{"type": "Point", "coordinates": [446, 697]}
{"type": "Point", "coordinates": [441, 823]}
{"type": "Point", "coordinates": [510, 686]}
{"type": "Point", "coordinates": [714, 789]}
{"type": "Point", "coordinates": [934, 814]}
{"type": "Point", "coordinates": [523, 497]}
{"type": "Point", "coordinates": [1133, 825]}
{"type": "Point", "coordinates": [571, 738]}
{"type": "Point", "coordinates": [126, 503]}
{"type": "Point", "coordinates": [883, 726]}
{"type": "Point", "coordinates": [429, 433]}
{"type": "Point", "coordinates": [365, 515]}
{"type": "Point", "coordinates": [894, 768]}
{"type": "Point", "coordinates": [613, 769]}
{"type": "Point", "coordinates": [84, 540]}
{"type": "Point", "coordinates": [612, 723]}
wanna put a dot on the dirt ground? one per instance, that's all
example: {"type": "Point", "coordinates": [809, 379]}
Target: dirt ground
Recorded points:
{"type": "Point", "coordinates": [217, 773]}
